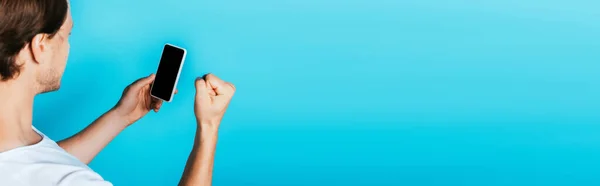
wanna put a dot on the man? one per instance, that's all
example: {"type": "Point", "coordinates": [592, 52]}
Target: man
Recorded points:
{"type": "Point", "coordinates": [33, 52]}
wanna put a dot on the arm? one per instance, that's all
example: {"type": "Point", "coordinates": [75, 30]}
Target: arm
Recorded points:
{"type": "Point", "coordinates": [135, 103]}
{"type": "Point", "coordinates": [198, 170]}
{"type": "Point", "coordinates": [86, 144]}
{"type": "Point", "coordinates": [212, 98]}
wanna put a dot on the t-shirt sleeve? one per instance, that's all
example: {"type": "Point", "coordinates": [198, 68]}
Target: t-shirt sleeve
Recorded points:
{"type": "Point", "coordinates": [83, 177]}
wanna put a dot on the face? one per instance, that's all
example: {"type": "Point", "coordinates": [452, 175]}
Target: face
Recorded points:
{"type": "Point", "coordinates": [55, 59]}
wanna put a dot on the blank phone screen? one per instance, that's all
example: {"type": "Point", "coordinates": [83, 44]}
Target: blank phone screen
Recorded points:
{"type": "Point", "coordinates": [166, 75]}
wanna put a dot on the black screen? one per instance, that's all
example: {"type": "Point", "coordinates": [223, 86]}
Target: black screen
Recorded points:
{"type": "Point", "coordinates": [168, 68]}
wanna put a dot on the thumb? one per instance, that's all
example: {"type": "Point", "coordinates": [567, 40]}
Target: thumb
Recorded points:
{"type": "Point", "coordinates": [138, 84]}
{"type": "Point", "coordinates": [219, 86]}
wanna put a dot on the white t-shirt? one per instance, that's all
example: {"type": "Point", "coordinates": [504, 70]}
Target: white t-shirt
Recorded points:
{"type": "Point", "coordinates": [45, 164]}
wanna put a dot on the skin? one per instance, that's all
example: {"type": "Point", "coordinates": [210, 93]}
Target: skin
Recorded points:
{"type": "Point", "coordinates": [212, 98]}
{"type": "Point", "coordinates": [42, 63]}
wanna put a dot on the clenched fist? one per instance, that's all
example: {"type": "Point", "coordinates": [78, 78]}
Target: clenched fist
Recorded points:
{"type": "Point", "coordinates": [212, 98]}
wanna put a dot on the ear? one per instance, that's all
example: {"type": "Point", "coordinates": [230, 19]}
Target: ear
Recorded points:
{"type": "Point", "coordinates": [39, 47]}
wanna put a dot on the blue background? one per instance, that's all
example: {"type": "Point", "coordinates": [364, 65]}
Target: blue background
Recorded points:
{"type": "Point", "coordinates": [348, 92]}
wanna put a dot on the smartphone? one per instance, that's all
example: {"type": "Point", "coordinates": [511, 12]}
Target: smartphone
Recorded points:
{"type": "Point", "coordinates": [168, 72]}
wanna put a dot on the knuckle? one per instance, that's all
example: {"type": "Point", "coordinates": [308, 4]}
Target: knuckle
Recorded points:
{"type": "Point", "coordinates": [213, 78]}
{"type": "Point", "coordinates": [199, 81]}
{"type": "Point", "coordinates": [209, 76]}
{"type": "Point", "coordinates": [232, 86]}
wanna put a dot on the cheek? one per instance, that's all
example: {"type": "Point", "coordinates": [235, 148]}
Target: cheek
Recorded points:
{"type": "Point", "coordinates": [60, 54]}
{"type": "Point", "coordinates": [67, 50]}
{"type": "Point", "coordinates": [64, 51]}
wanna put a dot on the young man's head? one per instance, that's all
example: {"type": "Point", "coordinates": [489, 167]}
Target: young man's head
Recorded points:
{"type": "Point", "coordinates": [34, 42]}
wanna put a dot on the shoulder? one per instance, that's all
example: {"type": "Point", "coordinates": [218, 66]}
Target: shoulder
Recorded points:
{"type": "Point", "coordinates": [45, 164]}
{"type": "Point", "coordinates": [48, 174]}
{"type": "Point", "coordinates": [23, 172]}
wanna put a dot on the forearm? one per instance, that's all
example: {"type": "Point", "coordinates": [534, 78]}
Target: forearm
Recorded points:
{"type": "Point", "coordinates": [86, 144]}
{"type": "Point", "coordinates": [199, 167]}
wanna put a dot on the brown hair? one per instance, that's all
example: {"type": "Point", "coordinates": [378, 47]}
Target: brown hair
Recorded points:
{"type": "Point", "coordinates": [20, 21]}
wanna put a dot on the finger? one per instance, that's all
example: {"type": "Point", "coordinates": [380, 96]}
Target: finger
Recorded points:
{"type": "Point", "coordinates": [219, 86]}
{"type": "Point", "coordinates": [224, 100]}
{"type": "Point", "coordinates": [154, 103]}
{"type": "Point", "coordinates": [176, 91]}
{"type": "Point", "coordinates": [140, 83]}
{"type": "Point", "coordinates": [232, 86]}
{"type": "Point", "coordinates": [158, 105]}
{"type": "Point", "coordinates": [211, 92]}
{"type": "Point", "coordinates": [201, 89]}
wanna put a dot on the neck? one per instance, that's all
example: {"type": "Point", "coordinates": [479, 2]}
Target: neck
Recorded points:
{"type": "Point", "coordinates": [16, 115]}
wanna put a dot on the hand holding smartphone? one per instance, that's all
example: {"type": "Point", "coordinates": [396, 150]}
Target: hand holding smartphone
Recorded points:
{"type": "Point", "coordinates": [167, 75]}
